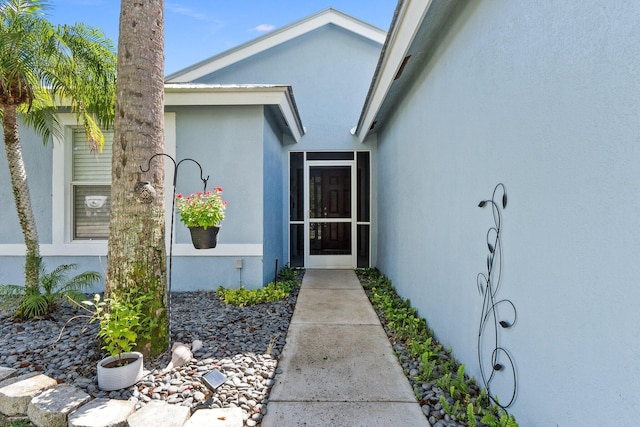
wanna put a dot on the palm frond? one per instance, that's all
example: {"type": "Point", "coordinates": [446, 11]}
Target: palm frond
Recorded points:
{"type": "Point", "coordinates": [81, 282]}
{"type": "Point", "coordinates": [43, 65]}
{"type": "Point", "coordinates": [9, 291]}
{"type": "Point", "coordinates": [33, 305]}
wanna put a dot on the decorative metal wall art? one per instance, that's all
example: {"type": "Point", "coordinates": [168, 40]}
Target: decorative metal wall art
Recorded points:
{"type": "Point", "coordinates": [493, 358]}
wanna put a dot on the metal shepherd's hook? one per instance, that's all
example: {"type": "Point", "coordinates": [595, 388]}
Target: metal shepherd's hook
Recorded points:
{"type": "Point", "coordinates": [143, 187]}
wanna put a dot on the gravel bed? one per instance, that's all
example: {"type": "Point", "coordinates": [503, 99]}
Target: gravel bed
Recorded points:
{"type": "Point", "coordinates": [243, 343]}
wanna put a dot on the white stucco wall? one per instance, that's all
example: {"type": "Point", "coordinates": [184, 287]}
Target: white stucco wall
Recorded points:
{"type": "Point", "coordinates": [544, 97]}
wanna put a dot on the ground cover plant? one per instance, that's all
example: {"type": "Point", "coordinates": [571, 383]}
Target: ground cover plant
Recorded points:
{"type": "Point", "coordinates": [438, 380]}
{"type": "Point", "coordinates": [288, 279]}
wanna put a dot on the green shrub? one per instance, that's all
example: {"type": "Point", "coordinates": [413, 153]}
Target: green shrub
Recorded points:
{"type": "Point", "coordinates": [274, 291]}
{"type": "Point", "coordinates": [53, 288]}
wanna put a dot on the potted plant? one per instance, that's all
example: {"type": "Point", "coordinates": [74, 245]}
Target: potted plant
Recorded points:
{"type": "Point", "coordinates": [119, 318]}
{"type": "Point", "coordinates": [202, 212]}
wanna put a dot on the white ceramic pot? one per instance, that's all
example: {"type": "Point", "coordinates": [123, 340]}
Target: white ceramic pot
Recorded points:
{"type": "Point", "coordinates": [119, 377]}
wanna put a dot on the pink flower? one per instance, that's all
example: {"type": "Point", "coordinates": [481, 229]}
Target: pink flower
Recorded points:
{"type": "Point", "coordinates": [218, 189]}
{"type": "Point", "coordinates": [179, 196]}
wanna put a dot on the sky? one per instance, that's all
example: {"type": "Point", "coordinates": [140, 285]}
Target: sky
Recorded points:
{"type": "Point", "coordinates": [198, 29]}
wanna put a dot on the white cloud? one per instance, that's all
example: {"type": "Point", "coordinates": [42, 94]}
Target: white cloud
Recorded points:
{"type": "Point", "coordinates": [185, 11]}
{"type": "Point", "coordinates": [263, 28]}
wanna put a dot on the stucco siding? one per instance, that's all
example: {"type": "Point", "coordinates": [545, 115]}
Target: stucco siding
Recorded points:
{"type": "Point", "coordinates": [37, 159]}
{"type": "Point", "coordinates": [329, 70]}
{"type": "Point", "coordinates": [228, 142]}
{"type": "Point", "coordinates": [543, 97]}
{"type": "Point", "coordinates": [273, 223]}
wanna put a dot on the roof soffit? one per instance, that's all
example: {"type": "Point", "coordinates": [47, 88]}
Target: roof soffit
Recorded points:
{"type": "Point", "coordinates": [414, 32]}
{"type": "Point", "coordinates": [275, 38]}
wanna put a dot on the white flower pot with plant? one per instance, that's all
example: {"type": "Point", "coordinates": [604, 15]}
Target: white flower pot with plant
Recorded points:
{"type": "Point", "coordinates": [202, 212]}
{"type": "Point", "coordinates": [119, 316]}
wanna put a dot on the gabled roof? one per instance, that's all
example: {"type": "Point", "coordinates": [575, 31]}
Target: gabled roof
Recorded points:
{"type": "Point", "coordinates": [275, 38]}
{"type": "Point", "coordinates": [414, 31]}
{"type": "Point", "coordinates": [278, 98]}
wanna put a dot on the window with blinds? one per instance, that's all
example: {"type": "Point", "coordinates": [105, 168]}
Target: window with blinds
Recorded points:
{"type": "Point", "coordinates": [91, 187]}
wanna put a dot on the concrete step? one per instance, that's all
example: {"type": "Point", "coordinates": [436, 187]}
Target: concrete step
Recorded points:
{"type": "Point", "coordinates": [159, 414]}
{"type": "Point", "coordinates": [17, 392]}
{"type": "Point", "coordinates": [219, 417]}
{"type": "Point", "coordinates": [102, 413]}
{"type": "Point", "coordinates": [51, 407]}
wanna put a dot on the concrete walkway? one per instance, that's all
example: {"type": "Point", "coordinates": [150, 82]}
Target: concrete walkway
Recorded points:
{"type": "Point", "coordinates": [338, 368]}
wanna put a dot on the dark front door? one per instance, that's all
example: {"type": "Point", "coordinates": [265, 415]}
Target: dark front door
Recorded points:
{"type": "Point", "coordinates": [330, 221]}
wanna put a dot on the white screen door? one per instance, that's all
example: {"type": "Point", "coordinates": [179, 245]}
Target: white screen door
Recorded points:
{"type": "Point", "coordinates": [329, 224]}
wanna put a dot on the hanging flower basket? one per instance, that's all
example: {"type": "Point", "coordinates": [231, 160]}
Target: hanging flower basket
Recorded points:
{"type": "Point", "coordinates": [204, 238]}
{"type": "Point", "coordinates": [202, 213]}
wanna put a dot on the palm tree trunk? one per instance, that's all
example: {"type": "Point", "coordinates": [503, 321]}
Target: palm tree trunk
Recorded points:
{"type": "Point", "coordinates": [136, 254]}
{"type": "Point", "coordinates": [21, 195]}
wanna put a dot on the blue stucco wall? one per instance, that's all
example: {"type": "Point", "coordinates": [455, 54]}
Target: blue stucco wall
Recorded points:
{"type": "Point", "coordinates": [37, 159]}
{"type": "Point", "coordinates": [274, 163]}
{"type": "Point", "coordinates": [544, 97]}
{"type": "Point", "coordinates": [228, 143]}
{"type": "Point", "coordinates": [329, 69]}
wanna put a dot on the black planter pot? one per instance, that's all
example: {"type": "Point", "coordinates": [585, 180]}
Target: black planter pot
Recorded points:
{"type": "Point", "coordinates": [204, 239]}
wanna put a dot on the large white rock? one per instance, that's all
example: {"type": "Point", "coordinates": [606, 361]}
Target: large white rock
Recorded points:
{"type": "Point", "coordinates": [51, 407]}
{"type": "Point", "coordinates": [17, 392]}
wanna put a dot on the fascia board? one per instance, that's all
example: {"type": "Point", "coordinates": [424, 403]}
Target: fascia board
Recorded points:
{"type": "Point", "coordinates": [290, 114]}
{"type": "Point", "coordinates": [275, 38]}
{"type": "Point", "coordinates": [223, 96]}
{"type": "Point", "coordinates": [400, 39]}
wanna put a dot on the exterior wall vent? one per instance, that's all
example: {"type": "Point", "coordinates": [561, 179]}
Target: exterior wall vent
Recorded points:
{"type": "Point", "coordinates": [401, 70]}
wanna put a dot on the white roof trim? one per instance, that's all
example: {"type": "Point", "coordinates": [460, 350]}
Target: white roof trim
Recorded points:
{"type": "Point", "coordinates": [282, 35]}
{"type": "Point", "coordinates": [410, 16]}
{"type": "Point", "coordinates": [280, 96]}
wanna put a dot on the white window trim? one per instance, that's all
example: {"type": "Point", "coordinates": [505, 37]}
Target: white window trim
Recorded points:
{"type": "Point", "coordinates": [62, 242]}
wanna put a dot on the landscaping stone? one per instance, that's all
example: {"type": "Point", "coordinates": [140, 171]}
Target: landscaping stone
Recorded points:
{"type": "Point", "coordinates": [51, 407]}
{"type": "Point", "coordinates": [160, 414]}
{"type": "Point", "coordinates": [235, 341]}
{"type": "Point", "coordinates": [6, 373]}
{"type": "Point", "coordinates": [221, 417]}
{"type": "Point", "coordinates": [102, 413]}
{"type": "Point", "coordinates": [17, 392]}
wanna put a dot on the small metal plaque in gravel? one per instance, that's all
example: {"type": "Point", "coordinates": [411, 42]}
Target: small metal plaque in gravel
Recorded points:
{"type": "Point", "coordinates": [214, 379]}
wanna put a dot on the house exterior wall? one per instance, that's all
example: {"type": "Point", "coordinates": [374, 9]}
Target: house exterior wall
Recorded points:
{"type": "Point", "coordinates": [37, 159]}
{"type": "Point", "coordinates": [543, 97]}
{"type": "Point", "coordinates": [274, 200]}
{"type": "Point", "coordinates": [228, 142]}
{"type": "Point", "coordinates": [329, 70]}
